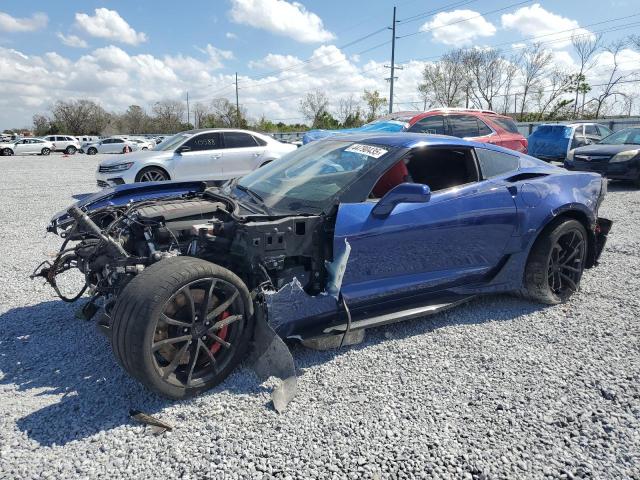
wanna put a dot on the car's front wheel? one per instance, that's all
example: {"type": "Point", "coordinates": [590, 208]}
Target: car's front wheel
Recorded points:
{"type": "Point", "coordinates": [7, 152]}
{"type": "Point", "coordinates": [70, 150]}
{"type": "Point", "coordinates": [556, 262]}
{"type": "Point", "coordinates": [182, 325]}
{"type": "Point", "coordinates": [92, 151]}
{"type": "Point", "coordinates": [152, 174]}
{"type": "Point", "coordinates": [45, 151]}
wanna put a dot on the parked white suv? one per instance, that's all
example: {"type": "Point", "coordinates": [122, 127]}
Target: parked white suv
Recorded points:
{"type": "Point", "coordinates": [211, 154]}
{"type": "Point", "coordinates": [64, 143]}
{"type": "Point", "coordinates": [112, 145]}
{"type": "Point", "coordinates": [27, 146]}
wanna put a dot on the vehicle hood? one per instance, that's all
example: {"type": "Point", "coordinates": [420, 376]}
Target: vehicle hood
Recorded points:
{"type": "Point", "coordinates": [123, 194]}
{"type": "Point", "coordinates": [602, 149]}
{"type": "Point", "coordinates": [141, 155]}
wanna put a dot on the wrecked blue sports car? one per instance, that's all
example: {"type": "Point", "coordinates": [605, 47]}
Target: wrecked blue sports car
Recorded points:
{"type": "Point", "coordinates": [342, 235]}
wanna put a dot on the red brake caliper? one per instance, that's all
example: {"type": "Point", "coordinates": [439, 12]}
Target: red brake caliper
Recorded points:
{"type": "Point", "coordinates": [222, 333]}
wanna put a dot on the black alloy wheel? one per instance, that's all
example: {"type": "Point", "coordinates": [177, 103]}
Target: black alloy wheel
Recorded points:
{"type": "Point", "coordinates": [566, 263]}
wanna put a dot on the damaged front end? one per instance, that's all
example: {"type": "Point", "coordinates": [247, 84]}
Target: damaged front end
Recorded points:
{"type": "Point", "coordinates": [111, 241]}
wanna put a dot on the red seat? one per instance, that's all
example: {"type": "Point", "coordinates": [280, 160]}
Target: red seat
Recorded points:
{"type": "Point", "coordinates": [392, 178]}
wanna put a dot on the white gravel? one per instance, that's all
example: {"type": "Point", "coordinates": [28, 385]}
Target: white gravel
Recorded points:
{"type": "Point", "coordinates": [499, 388]}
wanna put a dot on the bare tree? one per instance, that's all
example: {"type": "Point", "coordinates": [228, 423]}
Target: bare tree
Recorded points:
{"type": "Point", "coordinates": [79, 117]}
{"type": "Point", "coordinates": [169, 115]}
{"type": "Point", "coordinates": [488, 73]}
{"type": "Point", "coordinates": [610, 88]}
{"type": "Point", "coordinates": [374, 102]}
{"type": "Point", "coordinates": [550, 96]}
{"type": "Point", "coordinates": [533, 64]}
{"type": "Point", "coordinates": [135, 120]}
{"type": "Point", "coordinates": [445, 81]}
{"type": "Point", "coordinates": [349, 111]}
{"type": "Point", "coordinates": [313, 106]}
{"type": "Point", "coordinates": [585, 47]}
{"type": "Point", "coordinates": [225, 114]}
{"type": "Point", "coordinates": [41, 125]}
{"type": "Point", "coordinates": [200, 113]}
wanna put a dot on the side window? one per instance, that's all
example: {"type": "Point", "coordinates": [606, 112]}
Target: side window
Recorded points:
{"type": "Point", "coordinates": [483, 128]}
{"type": "Point", "coordinates": [117, 140]}
{"type": "Point", "coordinates": [206, 141]}
{"type": "Point", "coordinates": [50, 139]}
{"type": "Point", "coordinates": [107, 141]}
{"type": "Point", "coordinates": [463, 126]}
{"type": "Point", "coordinates": [579, 131]}
{"type": "Point", "coordinates": [61, 139]}
{"type": "Point", "coordinates": [238, 140]}
{"type": "Point", "coordinates": [604, 131]}
{"type": "Point", "coordinates": [494, 163]}
{"type": "Point", "coordinates": [590, 130]}
{"type": "Point", "coordinates": [432, 125]}
{"type": "Point", "coordinates": [260, 141]}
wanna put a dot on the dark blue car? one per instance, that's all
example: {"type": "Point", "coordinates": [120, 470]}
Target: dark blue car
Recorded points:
{"type": "Point", "coordinates": [339, 236]}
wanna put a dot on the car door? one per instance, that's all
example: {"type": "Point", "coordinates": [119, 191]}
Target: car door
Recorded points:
{"type": "Point", "coordinates": [455, 238]}
{"type": "Point", "coordinates": [22, 147]}
{"type": "Point", "coordinates": [104, 146]}
{"type": "Point", "coordinates": [199, 158]}
{"type": "Point", "coordinates": [242, 154]}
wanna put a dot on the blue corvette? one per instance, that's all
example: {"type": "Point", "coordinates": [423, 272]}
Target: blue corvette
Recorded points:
{"type": "Point", "coordinates": [339, 236]}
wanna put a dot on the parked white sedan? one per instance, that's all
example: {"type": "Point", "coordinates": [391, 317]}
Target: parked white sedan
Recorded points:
{"type": "Point", "coordinates": [27, 146]}
{"type": "Point", "coordinates": [211, 154]}
{"type": "Point", "coordinates": [112, 145]}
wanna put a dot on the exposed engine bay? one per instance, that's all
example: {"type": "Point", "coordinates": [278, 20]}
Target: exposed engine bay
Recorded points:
{"type": "Point", "coordinates": [112, 244]}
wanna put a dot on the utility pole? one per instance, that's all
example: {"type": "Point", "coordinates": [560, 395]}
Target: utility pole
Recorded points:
{"type": "Point", "coordinates": [188, 116]}
{"type": "Point", "coordinates": [393, 59]}
{"type": "Point", "coordinates": [237, 103]}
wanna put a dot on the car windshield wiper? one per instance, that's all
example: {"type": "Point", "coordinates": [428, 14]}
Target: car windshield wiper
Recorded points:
{"type": "Point", "coordinates": [255, 196]}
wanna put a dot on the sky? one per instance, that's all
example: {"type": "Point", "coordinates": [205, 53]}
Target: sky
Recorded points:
{"type": "Point", "coordinates": [120, 53]}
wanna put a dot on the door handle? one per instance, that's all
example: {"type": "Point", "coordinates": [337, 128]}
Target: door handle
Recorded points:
{"type": "Point", "coordinates": [257, 154]}
{"type": "Point", "coordinates": [216, 155]}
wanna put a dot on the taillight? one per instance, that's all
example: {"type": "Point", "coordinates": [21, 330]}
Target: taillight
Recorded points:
{"type": "Point", "coordinates": [525, 144]}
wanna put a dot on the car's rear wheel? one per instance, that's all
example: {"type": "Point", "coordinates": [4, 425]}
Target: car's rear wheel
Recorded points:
{"type": "Point", "coordinates": [556, 262]}
{"type": "Point", "coordinates": [7, 152]}
{"type": "Point", "coordinates": [70, 150]}
{"type": "Point", "coordinates": [126, 149]}
{"type": "Point", "coordinates": [182, 325]}
{"type": "Point", "coordinates": [152, 174]}
{"type": "Point", "coordinates": [92, 151]}
{"type": "Point", "coordinates": [45, 151]}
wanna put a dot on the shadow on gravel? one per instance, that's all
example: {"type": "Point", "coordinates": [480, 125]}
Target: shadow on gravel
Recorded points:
{"type": "Point", "coordinates": [621, 186]}
{"type": "Point", "coordinates": [45, 350]}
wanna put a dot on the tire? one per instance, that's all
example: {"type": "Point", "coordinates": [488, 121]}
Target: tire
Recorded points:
{"type": "Point", "coordinates": [92, 151]}
{"type": "Point", "coordinates": [145, 148]}
{"type": "Point", "coordinates": [45, 151]}
{"type": "Point", "coordinates": [70, 150]}
{"type": "Point", "coordinates": [137, 331]}
{"type": "Point", "coordinates": [556, 262]}
{"type": "Point", "coordinates": [152, 174]}
{"type": "Point", "coordinates": [7, 152]}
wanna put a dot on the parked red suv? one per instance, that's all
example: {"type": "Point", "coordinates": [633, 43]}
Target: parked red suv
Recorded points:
{"type": "Point", "coordinates": [479, 125]}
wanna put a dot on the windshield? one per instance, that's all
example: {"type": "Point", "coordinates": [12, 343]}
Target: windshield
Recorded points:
{"type": "Point", "coordinates": [312, 176]}
{"type": "Point", "coordinates": [628, 136]}
{"type": "Point", "coordinates": [171, 143]}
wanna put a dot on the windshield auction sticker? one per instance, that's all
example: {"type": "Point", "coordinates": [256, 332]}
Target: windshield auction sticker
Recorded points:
{"type": "Point", "coordinates": [368, 150]}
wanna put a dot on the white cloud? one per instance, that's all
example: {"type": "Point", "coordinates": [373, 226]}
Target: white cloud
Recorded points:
{"type": "Point", "coordinates": [231, 35]}
{"type": "Point", "coordinates": [282, 18]}
{"type": "Point", "coordinates": [12, 24]}
{"type": "Point", "coordinates": [458, 27]}
{"type": "Point", "coordinates": [72, 40]}
{"type": "Point", "coordinates": [110, 25]}
{"type": "Point", "coordinates": [216, 55]}
{"type": "Point", "coordinates": [536, 21]}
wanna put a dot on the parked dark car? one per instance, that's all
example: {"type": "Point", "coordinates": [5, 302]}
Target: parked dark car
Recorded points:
{"type": "Point", "coordinates": [553, 141]}
{"type": "Point", "coordinates": [616, 156]}
{"type": "Point", "coordinates": [341, 235]}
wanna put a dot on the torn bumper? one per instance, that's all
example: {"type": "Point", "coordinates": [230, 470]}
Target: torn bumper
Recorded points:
{"type": "Point", "coordinates": [601, 231]}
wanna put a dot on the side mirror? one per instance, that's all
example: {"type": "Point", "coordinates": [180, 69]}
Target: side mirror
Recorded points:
{"type": "Point", "coordinates": [403, 193]}
{"type": "Point", "coordinates": [184, 148]}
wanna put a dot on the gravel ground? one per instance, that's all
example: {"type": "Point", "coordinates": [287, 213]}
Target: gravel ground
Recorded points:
{"type": "Point", "coordinates": [499, 388]}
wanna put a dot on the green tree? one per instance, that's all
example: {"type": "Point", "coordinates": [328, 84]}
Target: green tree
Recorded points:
{"type": "Point", "coordinates": [375, 102]}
